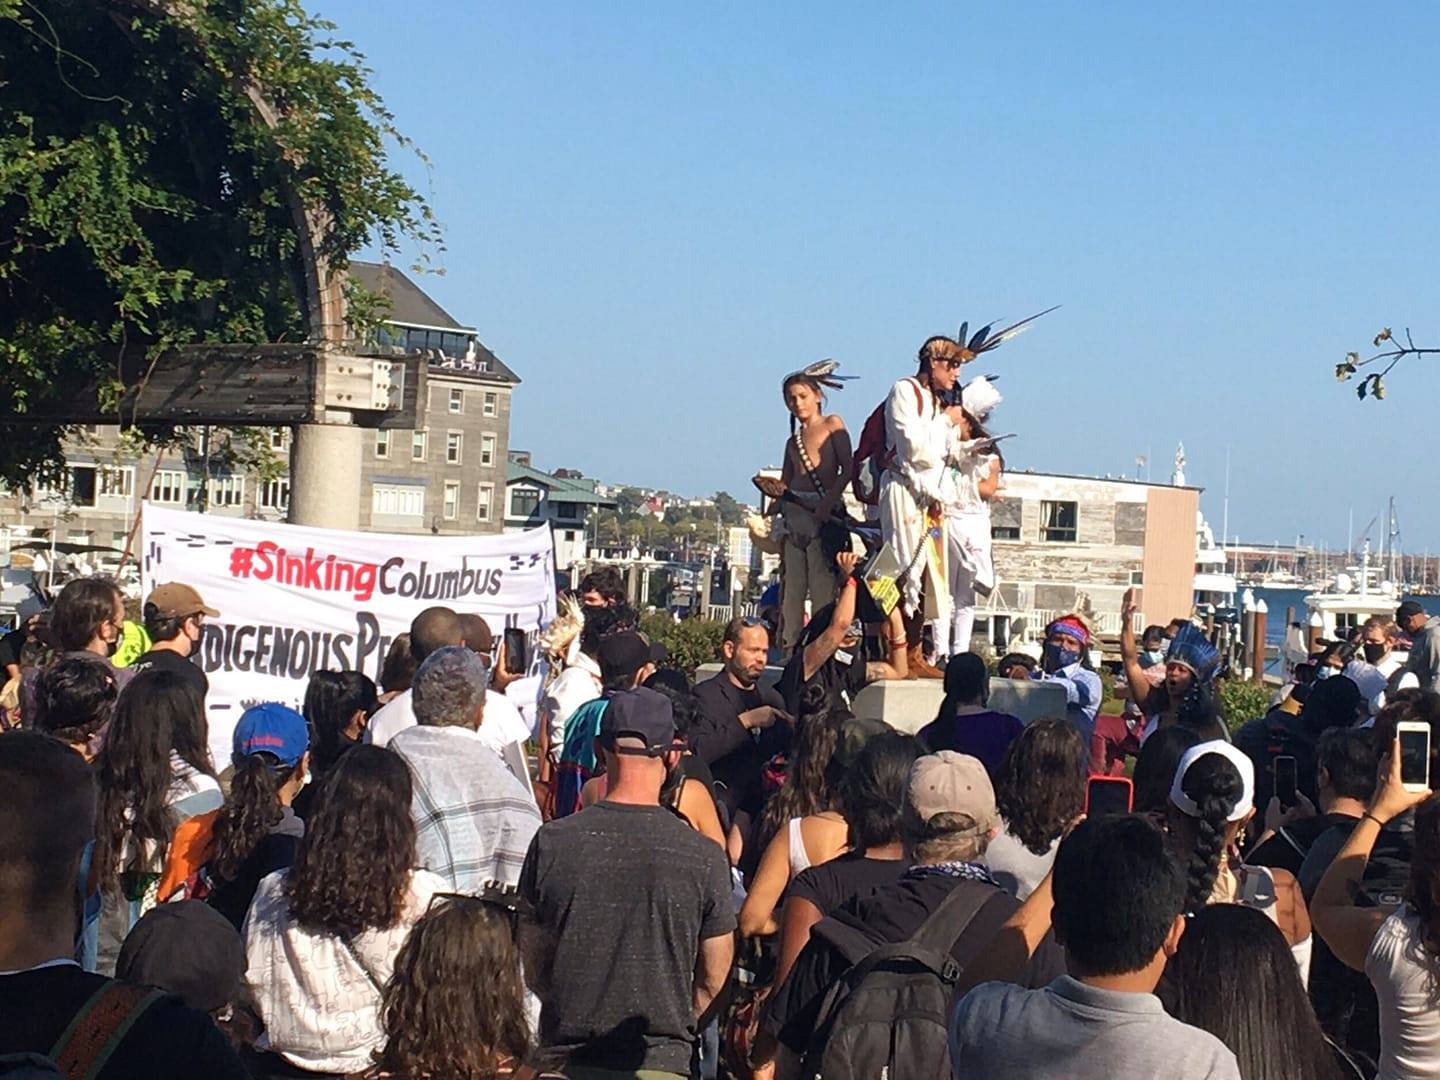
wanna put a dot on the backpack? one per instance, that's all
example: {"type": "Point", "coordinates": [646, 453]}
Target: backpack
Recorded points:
{"type": "Point", "coordinates": [85, 1046]}
{"type": "Point", "coordinates": [872, 452]}
{"type": "Point", "coordinates": [888, 1015]}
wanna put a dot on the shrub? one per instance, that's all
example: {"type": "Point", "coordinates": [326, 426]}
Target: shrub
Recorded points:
{"type": "Point", "coordinates": [1241, 700]}
{"type": "Point", "coordinates": [691, 642]}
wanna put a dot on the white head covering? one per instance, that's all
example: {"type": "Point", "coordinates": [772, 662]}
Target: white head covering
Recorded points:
{"type": "Point", "coordinates": [1243, 765]}
{"type": "Point", "coordinates": [980, 397]}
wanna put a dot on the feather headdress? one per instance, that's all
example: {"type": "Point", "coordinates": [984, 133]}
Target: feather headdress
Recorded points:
{"type": "Point", "coordinates": [822, 372]}
{"type": "Point", "coordinates": [558, 641]}
{"type": "Point", "coordinates": [982, 341]}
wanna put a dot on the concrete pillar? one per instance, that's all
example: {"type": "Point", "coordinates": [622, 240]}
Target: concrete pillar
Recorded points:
{"type": "Point", "coordinates": [325, 476]}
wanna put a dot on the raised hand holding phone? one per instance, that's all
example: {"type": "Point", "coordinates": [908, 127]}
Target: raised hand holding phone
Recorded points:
{"type": "Point", "coordinates": [1393, 796]}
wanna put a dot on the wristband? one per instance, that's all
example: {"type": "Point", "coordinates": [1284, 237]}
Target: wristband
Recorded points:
{"type": "Point", "coordinates": [1378, 823]}
{"type": "Point", "coordinates": [850, 582]}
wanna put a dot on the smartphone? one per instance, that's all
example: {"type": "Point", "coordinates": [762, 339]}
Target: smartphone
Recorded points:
{"type": "Point", "coordinates": [1414, 738]}
{"type": "Point", "coordinates": [1108, 795]}
{"type": "Point", "coordinates": [1286, 779]}
{"type": "Point", "coordinates": [517, 651]}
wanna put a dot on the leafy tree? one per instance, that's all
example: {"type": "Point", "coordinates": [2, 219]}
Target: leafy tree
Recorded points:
{"type": "Point", "coordinates": [151, 156]}
{"type": "Point", "coordinates": [729, 510]}
{"type": "Point", "coordinates": [1372, 382]}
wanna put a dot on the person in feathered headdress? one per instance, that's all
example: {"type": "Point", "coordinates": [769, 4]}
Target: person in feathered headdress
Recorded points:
{"type": "Point", "coordinates": [1190, 665]}
{"type": "Point", "coordinates": [970, 481]}
{"type": "Point", "coordinates": [817, 467]}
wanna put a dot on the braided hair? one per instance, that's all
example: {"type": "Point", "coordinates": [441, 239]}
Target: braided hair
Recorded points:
{"type": "Point", "coordinates": [1214, 784]}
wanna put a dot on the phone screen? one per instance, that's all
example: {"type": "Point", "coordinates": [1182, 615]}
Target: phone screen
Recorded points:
{"type": "Point", "coordinates": [1107, 797]}
{"type": "Point", "coordinates": [1415, 757]}
{"type": "Point", "coordinates": [1285, 780]}
{"type": "Point", "coordinates": [517, 659]}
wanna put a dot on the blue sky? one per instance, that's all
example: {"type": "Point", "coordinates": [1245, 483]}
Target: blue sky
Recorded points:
{"type": "Point", "coordinates": [654, 211]}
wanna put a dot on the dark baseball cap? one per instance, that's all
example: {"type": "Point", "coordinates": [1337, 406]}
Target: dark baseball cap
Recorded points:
{"type": "Point", "coordinates": [623, 654]}
{"type": "Point", "coordinates": [639, 721]}
{"type": "Point", "coordinates": [1408, 610]}
{"type": "Point", "coordinates": [186, 948]}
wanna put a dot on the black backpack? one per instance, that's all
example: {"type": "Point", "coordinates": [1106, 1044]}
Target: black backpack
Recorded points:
{"type": "Point", "coordinates": [888, 1016]}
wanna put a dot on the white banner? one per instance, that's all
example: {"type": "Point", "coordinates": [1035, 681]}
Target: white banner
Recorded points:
{"type": "Point", "coordinates": [295, 600]}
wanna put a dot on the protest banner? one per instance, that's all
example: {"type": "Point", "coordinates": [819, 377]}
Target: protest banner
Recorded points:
{"type": "Point", "coordinates": [295, 600]}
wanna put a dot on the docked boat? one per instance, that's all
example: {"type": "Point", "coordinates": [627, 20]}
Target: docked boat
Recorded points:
{"type": "Point", "coordinates": [1351, 597]}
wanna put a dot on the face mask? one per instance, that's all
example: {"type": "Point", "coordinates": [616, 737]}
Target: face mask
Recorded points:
{"type": "Point", "coordinates": [1057, 657]}
{"type": "Point", "coordinates": [1151, 657]}
{"type": "Point", "coordinates": [1374, 651]}
{"type": "Point", "coordinates": [1324, 672]}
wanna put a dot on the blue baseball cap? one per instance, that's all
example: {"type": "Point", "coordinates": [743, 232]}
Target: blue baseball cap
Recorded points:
{"type": "Point", "coordinates": [272, 728]}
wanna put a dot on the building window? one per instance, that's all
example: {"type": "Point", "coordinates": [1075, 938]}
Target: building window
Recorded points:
{"type": "Point", "coordinates": [417, 446]}
{"type": "Point", "coordinates": [277, 438]}
{"type": "Point", "coordinates": [275, 494]}
{"type": "Point", "coordinates": [77, 536]}
{"type": "Point", "coordinates": [571, 535]}
{"type": "Point", "coordinates": [524, 502]}
{"type": "Point", "coordinates": [487, 450]}
{"type": "Point", "coordinates": [482, 503]}
{"type": "Point", "coordinates": [81, 484]}
{"type": "Point", "coordinates": [382, 443]}
{"type": "Point", "coordinates": [567, 510]}
{"type": "Point", "coordinates": [453, 440]}
{"type": "Point", "coordinates": [117, 480]}
{"type": "Point", "coordinates": [118, 538]}
{"type": "Point", "coordinates": [396, 500]}
{"type": "Point", "coordinates": [457, 401]}
{"type": "Point", "coordinates": [1057, 522]}
{"type": "Point", "coordinates": [490, 403]}
{"type": "Point", "coordinates": [1005, 532]}
{"type": "Point", "coordinates": [227, 491]}
{"type": "Point", "coordinates": [452, 500]}
{"type": "Point", "coordinates": [168, 487]}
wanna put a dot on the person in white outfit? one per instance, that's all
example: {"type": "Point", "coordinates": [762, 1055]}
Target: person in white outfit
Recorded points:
{"type": "Point", "coordinates": [923, 435]}
{"type": "Point", "coordinates": [971, 478]}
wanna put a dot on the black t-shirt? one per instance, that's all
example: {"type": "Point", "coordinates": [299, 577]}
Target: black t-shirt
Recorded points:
{"type": "Point", "coordinates": [10, 646]}
{"type": "Point", "coordinates": [736, 756]}
{"type": "Point", "coordinates": [1286, 850]}
{"type": "Point", "coordinates": [888, 915]}
{"type": "Point", "coordinates": [842, 676]}
{"type": "Point", "coordinates": [165, 660]}
{"type": "Point", "coordinates": [830, 884]}
{"type": "Point", "coordinates": [624, 895]}
{"type": "Point", "coordinates": [275, 852]}
{"type": "Point", "coordinates": [168, 1041]}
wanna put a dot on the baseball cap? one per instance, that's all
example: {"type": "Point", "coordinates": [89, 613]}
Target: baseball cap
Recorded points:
{"type": "Point", "coordinates": [1243, 765]}
{"type": "Point", "coordinates": [177, 601]}
{"type": "Point", "coordinates": [186, 948]}
{"type": "Point", "coordinates": [947, 782]}
{"type": "Point", "coordinates": [623, 654]}
{"type": "Point", "coordinates": [272, 728]}
{"type": "Point", "coordinates": [639, 715]}
{"type": "Point", "coordinates": [1408, 610]}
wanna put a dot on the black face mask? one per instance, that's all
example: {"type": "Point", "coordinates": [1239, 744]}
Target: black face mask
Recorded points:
{"type": "Point", "coordinates": [1374, 651]}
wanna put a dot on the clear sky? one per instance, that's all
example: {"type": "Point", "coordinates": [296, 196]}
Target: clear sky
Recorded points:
{"type": "Point", "coordinates": [654, 211]}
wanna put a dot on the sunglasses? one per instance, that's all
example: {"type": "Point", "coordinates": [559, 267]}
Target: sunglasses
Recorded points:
{"type": "Point", "coordinates": [503, 899]}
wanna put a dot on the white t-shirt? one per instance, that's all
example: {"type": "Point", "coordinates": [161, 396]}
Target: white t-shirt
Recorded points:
{"type": "Point", "coordinates": [318, 996]}
{"type": "Point", "coordinates": [1018, 869]}
{"type": "Point", "coordinates": [502, 725]}
{"type": "Point", "coordinates": [1405, 975]}
{"type": "Point", "coordinates": [573, 687]}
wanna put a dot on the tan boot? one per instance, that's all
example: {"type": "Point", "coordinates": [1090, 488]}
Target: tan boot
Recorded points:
{"type": "Point", "coordinates": [920, 668]}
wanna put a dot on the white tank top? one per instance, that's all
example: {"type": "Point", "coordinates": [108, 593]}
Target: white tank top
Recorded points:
{"type": "Point", "coordinates": [799, 857]}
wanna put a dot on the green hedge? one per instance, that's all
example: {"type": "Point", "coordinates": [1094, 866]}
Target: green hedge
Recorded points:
{"type": "Point", "coordinates": [691, 642]}
{"type": "Point", "coordinates": [1241, 700]}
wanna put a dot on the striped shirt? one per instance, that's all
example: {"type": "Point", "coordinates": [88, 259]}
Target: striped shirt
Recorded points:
{"type": "Point", "coordinates": [473, 818]}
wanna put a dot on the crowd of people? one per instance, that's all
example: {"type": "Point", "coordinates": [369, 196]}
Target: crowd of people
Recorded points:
{"type": "Point", "coordinates": [734, 877]}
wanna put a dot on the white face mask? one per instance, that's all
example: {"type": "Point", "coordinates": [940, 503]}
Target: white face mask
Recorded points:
{"type": "Point", "coordinates": [1324, 672]}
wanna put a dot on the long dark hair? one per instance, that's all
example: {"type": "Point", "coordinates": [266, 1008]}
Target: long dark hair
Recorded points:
{"type": "Point", "coordinates": [1156, 765]}
{"type": "Point", "coordinates": [455, 1005]}
{"type": "Point", "coordinates": [1234, 977]}
{"type": "Point", "coordinates": [157, 714]}
{"type": "Point", "coordinates": [251, 811]}
{"type": "Point", "coordinates": [1425, 873]}
{"type": "Point", "coordinates": [811, 778]}
{"type": "Point", "coordinates": [353, 866]}
{"type": "Point", "coordinates": [872, 794]}
{"type": "Point", "coordinates": [1040, 784]}
{"type": "Point", "coordinates": [331, 700]}
{"type": "Point", "coordinates": [1214, 784]}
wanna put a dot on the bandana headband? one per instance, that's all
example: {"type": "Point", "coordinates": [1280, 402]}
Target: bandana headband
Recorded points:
{"type": "Point", "coordinates": [1070, 627]}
